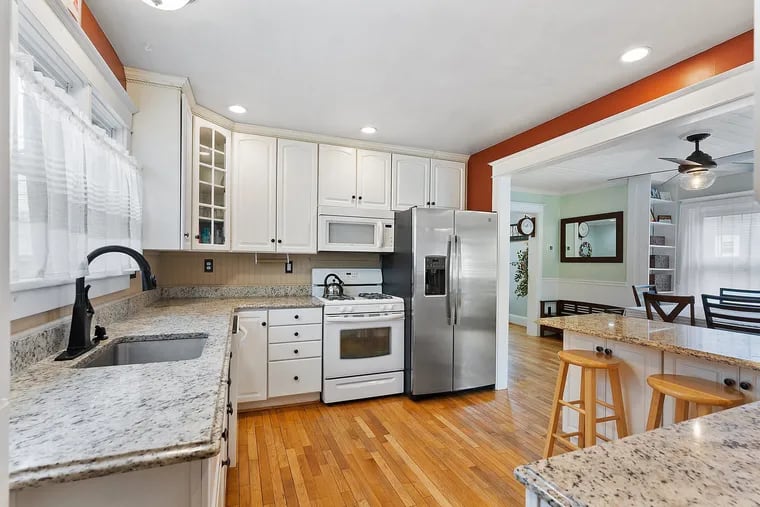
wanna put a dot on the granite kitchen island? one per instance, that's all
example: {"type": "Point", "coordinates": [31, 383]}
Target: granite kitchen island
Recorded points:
{"type": "Point", "coordinates": [704, 461]}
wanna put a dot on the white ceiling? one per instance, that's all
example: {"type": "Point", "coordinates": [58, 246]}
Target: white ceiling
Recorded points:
{"type": "Point", "coordinates": [448, 75]}
{"type": "Point", "coordinates": [731, 132]}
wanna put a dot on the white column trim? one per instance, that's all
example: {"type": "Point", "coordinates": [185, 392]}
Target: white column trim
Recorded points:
{"type": "Point", "coordinates": [501, 200]}
{"type": "Point", "coordinates": [535, 263]}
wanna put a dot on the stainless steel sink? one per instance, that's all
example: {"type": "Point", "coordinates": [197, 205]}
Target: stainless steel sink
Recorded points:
{"type": "Point", "coordinates": [149, 349]}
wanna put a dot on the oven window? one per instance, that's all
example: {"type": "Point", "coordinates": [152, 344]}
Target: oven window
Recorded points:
{"type": "Point", "coordinates": [351, 233]}
{"type": "Point", "coordinates": [364, 343]}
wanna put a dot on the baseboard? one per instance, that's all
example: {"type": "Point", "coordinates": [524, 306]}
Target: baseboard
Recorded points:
{"type": "Point", "coordinates": [520, 320]}
{"type": "Point", "coordinates": [281, 401]}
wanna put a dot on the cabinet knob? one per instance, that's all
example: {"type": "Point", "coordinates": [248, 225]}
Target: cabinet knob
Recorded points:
{"type": "Point", "coordinates": [295, 316]}
{"type": "Point", "coordinates": [360, 198]}
{"type": "Point", "coordinates": [224, 434]}
{"type": "Point", "coordinates": [599, 348]}
{"type": "Point", "coordinates": [295, 334]}
{"type": "Point", "coordinates": [745, 385]}
{"type": "Point", "coordinates": [272, 240]}
{"type": "Point", "coordinates": [729, 382]}
{"type": "Point", "coordinates": [279, 241]}
{"type": "Point", "coordinates": [197, 236]}
{"type": "Point", "coordinates": [187, 234]}
{"type": "Point", "coordinates": [433, 203]}
{"type": "Point", "coordinates": [295, 351]}
{"type": "Point", "coordinates": [229, 381]}
{"type": "Point", "coordinates": [295, 378]}
{"type": "Point", "coordinates": [229, 408]}
{"type": "Point", "coordinates": [263, 323]}
{"type": "Point", "coordinates": [427, 203]}
{"type": "Point", "coordinates": [608, 352]}
{"type": "Point", "coordinates": [353, 197]}
{"type": "Point", "coordinates": [226, 462]}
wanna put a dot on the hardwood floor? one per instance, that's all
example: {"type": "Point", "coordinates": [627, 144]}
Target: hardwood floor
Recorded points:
{"type": "Point", "coordinates": [451, 450]}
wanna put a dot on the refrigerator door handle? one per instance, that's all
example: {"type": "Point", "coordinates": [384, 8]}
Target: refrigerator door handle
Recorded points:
{"type": "Point", "coordinates": [458, 277]}
{"type": "Point", "coordinates": [449, 277]}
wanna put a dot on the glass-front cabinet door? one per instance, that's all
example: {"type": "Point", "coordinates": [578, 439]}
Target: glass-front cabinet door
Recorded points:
{"type": "Point", "coordinates": [211, 145]}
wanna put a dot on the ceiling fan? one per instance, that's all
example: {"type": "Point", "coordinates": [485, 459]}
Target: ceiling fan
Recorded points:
{"type": "Point", "coordinates": [699, 170]}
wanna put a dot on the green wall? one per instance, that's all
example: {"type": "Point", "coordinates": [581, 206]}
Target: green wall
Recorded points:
{"type": "Point", "coordinates": [601, 200]}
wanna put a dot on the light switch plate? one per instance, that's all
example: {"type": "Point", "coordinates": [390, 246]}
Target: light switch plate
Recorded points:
{"type": "Point", "coordinates": [289, 267]}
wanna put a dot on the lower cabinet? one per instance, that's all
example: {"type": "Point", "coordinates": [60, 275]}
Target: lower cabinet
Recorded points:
{"type": "Point", "coordinates": [638, 363]}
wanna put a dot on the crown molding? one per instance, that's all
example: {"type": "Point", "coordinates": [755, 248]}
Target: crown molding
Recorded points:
{"type": "Point", "coordinates": [183, 83]}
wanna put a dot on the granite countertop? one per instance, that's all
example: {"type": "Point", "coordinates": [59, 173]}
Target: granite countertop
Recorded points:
{"type": "Point", "coordinates": [711, 460]}
{"type": "Point", "coordinates": [69, 423]}
{"type": "Point", "coordinates": [727, 347]}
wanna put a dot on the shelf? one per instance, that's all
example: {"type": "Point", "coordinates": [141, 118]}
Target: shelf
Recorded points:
{"type": "Point", "coordinates": [662, 224]}
{"type": "Point", "coordinates": [664, 270]}
{"type": "Point", "coordinates": [669, 247]}
{"type": "Point", "coordinates": [661, 201]}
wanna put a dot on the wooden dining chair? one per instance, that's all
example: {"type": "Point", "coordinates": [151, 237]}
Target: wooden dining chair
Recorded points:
{"type": "Point", "coordinates": [733, 313]}
{"type": "Point", "coordinates": [741, 293]}
{"type": "Point", "coordinates": [681, 302]}
{"type": "Point", "coordinates": [640, 290]}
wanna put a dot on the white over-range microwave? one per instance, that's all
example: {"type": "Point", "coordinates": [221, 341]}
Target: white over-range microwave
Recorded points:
{"type": "Point", "coordinates": [341, 233]}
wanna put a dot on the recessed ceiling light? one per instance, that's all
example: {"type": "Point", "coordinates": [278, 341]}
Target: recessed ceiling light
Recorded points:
{"type": "Point", "coordinates": [635, 54]}
{"type": "Point", "coordinates": [368, 130]}
{"type": "Point", "coordinates": [237, 108]}
{"type": "Point", "coordinates": [167, 5]}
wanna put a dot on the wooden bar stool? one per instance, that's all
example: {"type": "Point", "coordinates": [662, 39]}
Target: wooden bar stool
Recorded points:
{"type": "Point", "coordinates": [704, 393]}
{"type": "Point", "coordinates": [589, 362]}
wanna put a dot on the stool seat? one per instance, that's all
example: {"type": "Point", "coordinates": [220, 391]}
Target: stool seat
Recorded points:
{"type": "Point", "coordinates": [695, 390]}
{"type": "Point", "coordinates": [588, 359]}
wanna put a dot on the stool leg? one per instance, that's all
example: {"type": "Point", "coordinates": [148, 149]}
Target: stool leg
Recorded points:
{"type": "Point", "coordinates": [559, 390]}
{"type": "Point", "coordinates": [581, 417]}
{"type": "Point", "coordinates": [621, 424]}
{"type": "Point", "coordinates": [589, 405]}
{"type": "Point", "coordinates": [655, 410]}
{"type": "Point", "coordinates": [682, 410]}
{"type": "Point", "coordinates": [703, 410]}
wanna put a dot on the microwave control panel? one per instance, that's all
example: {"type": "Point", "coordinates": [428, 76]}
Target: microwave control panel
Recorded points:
{"type": "Point", "coordinates": [388, 236]}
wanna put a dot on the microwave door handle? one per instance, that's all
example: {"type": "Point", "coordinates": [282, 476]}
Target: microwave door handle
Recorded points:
{"type": "Point", "coordinates": [380, 318]}
{"type": "Point", "coordinates": [449, 278]}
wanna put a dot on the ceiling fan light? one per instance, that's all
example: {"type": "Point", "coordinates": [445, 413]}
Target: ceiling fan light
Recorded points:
{"type": "Point", "coordinates": [167, 5]}
{"type": "Point", "coordinates": [696, 180]}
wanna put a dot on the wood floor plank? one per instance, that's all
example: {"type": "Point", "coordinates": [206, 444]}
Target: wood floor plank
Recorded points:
{"type": "Point", "coordinates": [449, 450]}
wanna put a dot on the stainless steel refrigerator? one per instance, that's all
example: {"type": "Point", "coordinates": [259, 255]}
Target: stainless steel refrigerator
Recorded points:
{"type": "Point", "coordinates": [444, 266]}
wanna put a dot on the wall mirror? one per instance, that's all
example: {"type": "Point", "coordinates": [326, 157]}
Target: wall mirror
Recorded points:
{"type": "Point", "coordinates": [592, 238]}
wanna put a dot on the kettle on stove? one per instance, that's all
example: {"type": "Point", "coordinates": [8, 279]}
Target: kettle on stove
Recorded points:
{"type": "Point", "coordinates": [333, 289]}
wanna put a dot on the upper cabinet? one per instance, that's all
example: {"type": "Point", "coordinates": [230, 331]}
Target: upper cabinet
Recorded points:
{"type": "Point", "coordinates": [254, 193]}
{"type": "Point", "coordinates": [337, 176]}
{"type": "Point", "coordinates": [411, 182]}
{"type": "Point", "coordinates": [296, 196]}
{"type": "Point", "coordinates": [427, 183]}
{"type": "Point", "coordinates": [373, 179]}
{"type": "Point", "coordinates": [446, 184]}
{"type": "Point", "coordinates": [210, 196]}
{"type": "Point", "coordinates": [352, 178]}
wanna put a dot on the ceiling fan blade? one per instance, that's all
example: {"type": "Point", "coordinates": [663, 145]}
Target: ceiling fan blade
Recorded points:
{"type": "Point", "coordinates": [679, 161]}
{"type": "Point", "coordinates": [639, 174]}
{"type": "Point", "coordinates": [736, 158]}
{"type": "Point", "coordinates": [735, 168]}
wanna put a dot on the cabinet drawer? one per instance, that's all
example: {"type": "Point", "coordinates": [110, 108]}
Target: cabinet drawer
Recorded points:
{"type": "Point", "coordinates": [290, 316]}
{"type": "Point", "coordinates": [306, 333]}
{"type": "Point", "coordinates": [297, 376]}
{"type": "Point", "coordinates": [295, 350]}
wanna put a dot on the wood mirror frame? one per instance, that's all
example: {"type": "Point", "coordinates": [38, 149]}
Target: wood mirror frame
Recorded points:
{"type": "Point", "coordinates": [619, 231]}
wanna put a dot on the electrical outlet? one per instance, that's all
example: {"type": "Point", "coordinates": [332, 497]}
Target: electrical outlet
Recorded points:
{"type": "Point", "coordinates": [208, 265]}
{"type": "Point", "coordinates": [289, 267]}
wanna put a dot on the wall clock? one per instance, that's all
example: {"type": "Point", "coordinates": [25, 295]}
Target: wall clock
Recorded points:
{"type": "Point", "coordinates": [582, 229]}
{"type": "Point", "coordinates": [526, 226]}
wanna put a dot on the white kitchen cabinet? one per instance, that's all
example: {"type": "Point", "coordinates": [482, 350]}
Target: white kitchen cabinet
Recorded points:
{"type": "Point", "coordinates": [211, 198]}
{"type": "Point", "coordinates": [298, 376]}
{"type": "Point", "coordinates": [296, 197]}
{"type": "Point", "coordinates": [162, 143]}
{"type": "Point", "coordinates": [749, 384]}
{"type": "Point", "coordinates": [447, 184]}
{"type": "Point", "coordinates": [252, 356]}
{"type": "Point", "coordinates": [411, 182]}
{"type": "Point", "coordinates": [638, 362]}
{"type": "Point", "coordinates": [337, 176]}
{"type": "Point", "coordinates": [373, 180]}
{"type": "Point", "coordinates": [253, 197]}
{"type": "Point", "coordinates": [677, 364]}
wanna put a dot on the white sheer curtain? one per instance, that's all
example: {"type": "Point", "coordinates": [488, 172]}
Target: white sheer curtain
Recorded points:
{"type": "Point", "coordinates": [719, 245]}
{"type": "Point", "coordinates": [72, 188]}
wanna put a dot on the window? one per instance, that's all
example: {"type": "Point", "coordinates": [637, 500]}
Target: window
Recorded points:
{"type": "Point", "coordinates": [719, 245]}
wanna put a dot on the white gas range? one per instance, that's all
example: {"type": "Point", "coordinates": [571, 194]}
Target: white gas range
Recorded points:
{"type": "Point", "coordinates": [363, 340]}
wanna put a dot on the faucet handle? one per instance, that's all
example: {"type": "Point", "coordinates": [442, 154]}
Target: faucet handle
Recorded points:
{"type": "Point", "coordinates": [100, 334]}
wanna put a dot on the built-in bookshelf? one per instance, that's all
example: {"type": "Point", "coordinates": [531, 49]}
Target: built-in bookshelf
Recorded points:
{"type": "Point", "coordinates": [663, 242]}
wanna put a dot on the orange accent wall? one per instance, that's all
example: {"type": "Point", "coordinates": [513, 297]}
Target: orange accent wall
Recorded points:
{"type": "Point", "coordinates": [102, 44]}
{"type": "Point", "coordinates": [716, 60]}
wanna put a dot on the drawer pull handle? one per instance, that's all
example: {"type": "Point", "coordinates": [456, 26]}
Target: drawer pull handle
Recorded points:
{"type": "Point", "coordinates": [296, 316]}
{"type": "Point", "coordinates": [229, 381]}
{"type": "Point", "coordinates": [263, 323]}
{"type": "Point", "coordinates": [229, 408]}
{"type": "Point", "coordinates": [295, 351]}
{"type": "Point", "coordinates": [295, 378]}
{"type": "Point", "coordinates": [599, 348]}
{"type": "Point", "coordinates": [295, 334]}
{"type": "Point", "coordinates": [729, 382]}
{"type": "Point", "coordinates": [608, 352]}
{"type": "Point", "coordinates": [745, 385]}
{"type": "Point", "coordinates": [224, 434]}
{"type": "Point", "coordinates": [226, 462]}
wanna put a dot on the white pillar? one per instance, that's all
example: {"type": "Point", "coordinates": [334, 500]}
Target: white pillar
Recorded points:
{"type": "Point", "coordinates": [501, 202]}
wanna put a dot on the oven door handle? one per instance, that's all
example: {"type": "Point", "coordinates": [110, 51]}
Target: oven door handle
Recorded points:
{"type": "Point", "coordinates": [381, 318]}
